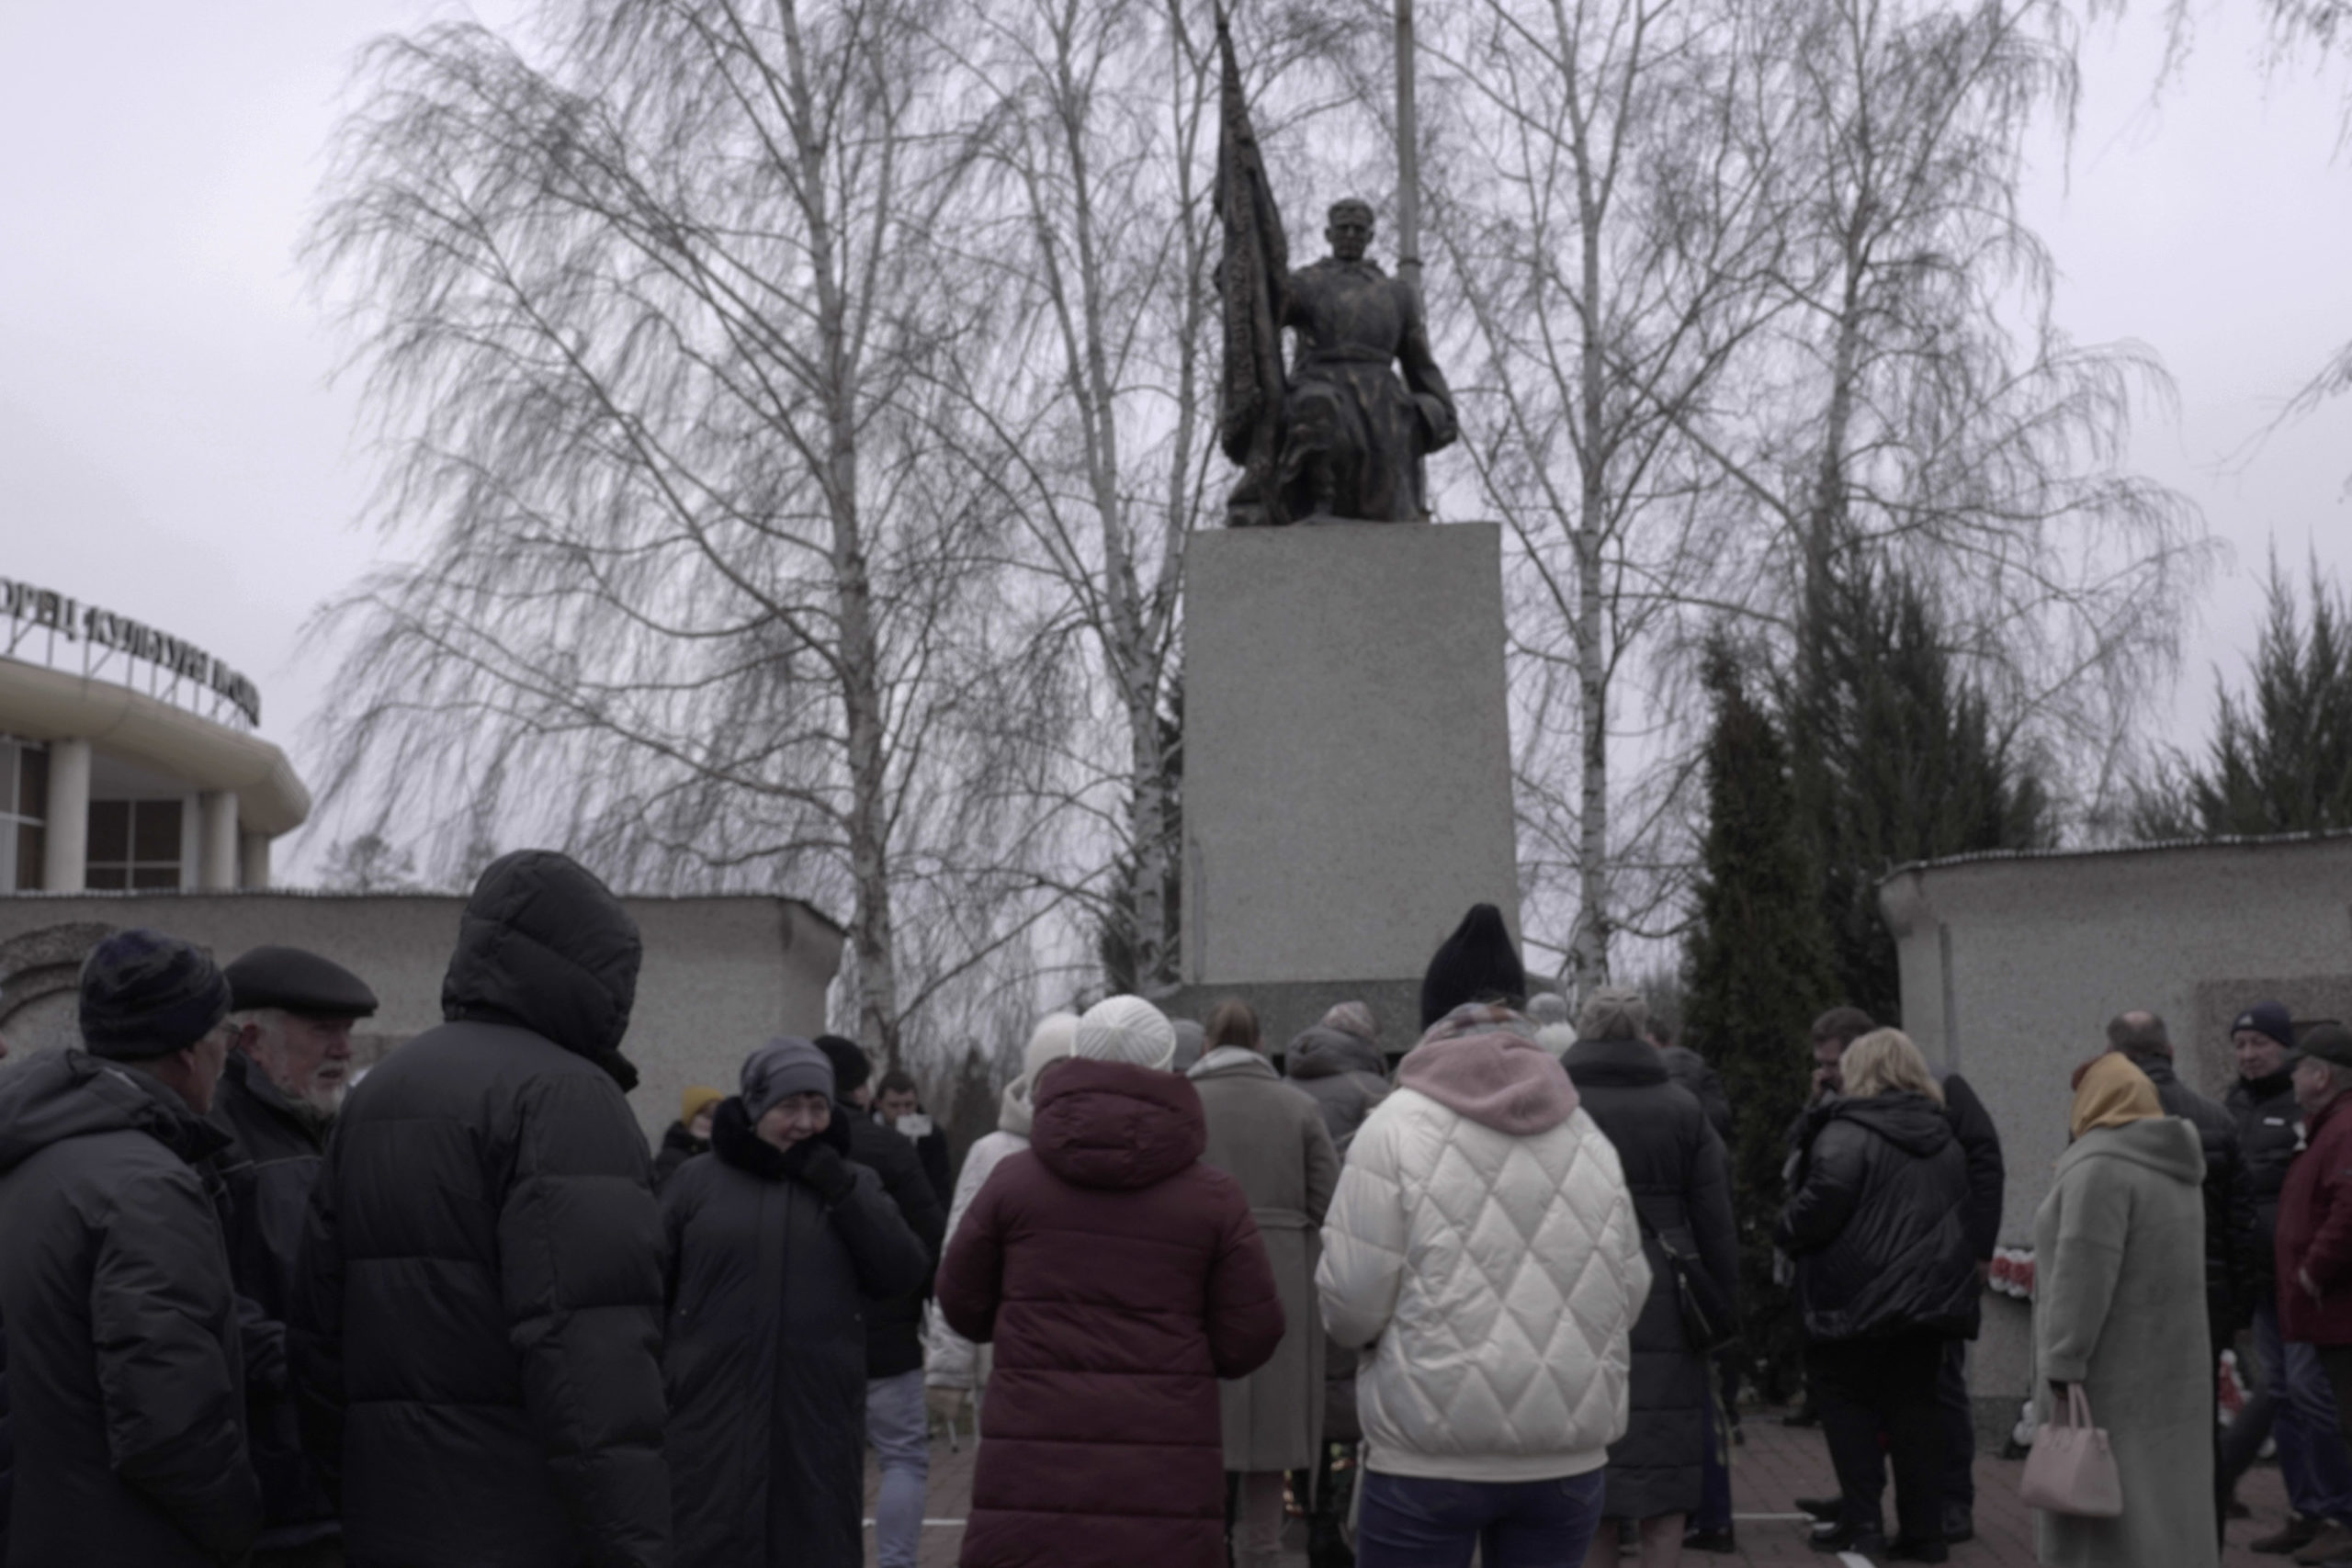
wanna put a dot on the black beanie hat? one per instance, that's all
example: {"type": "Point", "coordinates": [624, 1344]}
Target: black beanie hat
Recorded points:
{"type": "Point", "coordinates": [851, 1068]}
{"type": "Point", "coordinates": [1479, 960]}
{"type": "Point", "coordinates": [145, 994]}
{"type": "Point", "coordinates": [2271, 1018]}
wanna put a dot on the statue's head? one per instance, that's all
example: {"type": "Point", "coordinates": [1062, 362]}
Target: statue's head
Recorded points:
{"type": "Point", "coordinates": [1350, 228]}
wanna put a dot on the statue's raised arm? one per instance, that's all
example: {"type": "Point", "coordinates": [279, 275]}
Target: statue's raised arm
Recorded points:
{"type": "Point", "coordinates": [1338, 439]}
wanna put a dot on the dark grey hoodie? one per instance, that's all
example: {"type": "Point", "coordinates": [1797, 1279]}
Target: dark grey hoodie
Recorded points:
{"type": "Point", "coordinates": [1343, 1073]}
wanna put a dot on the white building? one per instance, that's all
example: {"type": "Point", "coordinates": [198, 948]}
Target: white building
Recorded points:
{"type": "Point", "coordinates": [128, 758]}
{"type": "Point", "coordinates": [2012, 964]}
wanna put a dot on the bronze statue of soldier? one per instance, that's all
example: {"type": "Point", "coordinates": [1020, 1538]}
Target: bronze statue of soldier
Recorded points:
{"type": "Point", "coordinates": [1353, 434]}
{"type": "Point", "coordinates": [1333, 437]}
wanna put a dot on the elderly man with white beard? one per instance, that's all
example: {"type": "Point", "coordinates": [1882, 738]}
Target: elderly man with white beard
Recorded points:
{"type": "Point", "coordinates": [288, 1069]}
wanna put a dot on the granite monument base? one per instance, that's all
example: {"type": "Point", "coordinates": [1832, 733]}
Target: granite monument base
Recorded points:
{"type": "Point", "coordinates": [1347, 763]}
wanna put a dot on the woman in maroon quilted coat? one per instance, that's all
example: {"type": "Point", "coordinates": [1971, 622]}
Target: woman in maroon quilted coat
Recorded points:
{"type": "Point", "coordinates": [1118, 1279]}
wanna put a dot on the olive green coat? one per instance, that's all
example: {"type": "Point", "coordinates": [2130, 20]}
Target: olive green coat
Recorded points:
{"type": "Point", "coordinates": [2119, 1259]}
{"type": "Point", "coordinates": [1270, 1137]}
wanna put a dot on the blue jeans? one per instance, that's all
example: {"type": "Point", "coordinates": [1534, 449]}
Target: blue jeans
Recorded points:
{"type": "Point", "coordinates": [1408, 1522]}
{"type": "Point", "coordinates": [2313, 1460]}
{"type": "Point", "coordinates": [896, 1427]}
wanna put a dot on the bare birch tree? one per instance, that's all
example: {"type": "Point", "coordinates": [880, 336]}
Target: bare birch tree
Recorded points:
{"type": "Point", "coordinates": [1090, 223]}
{"type": "Point", "coordinates": [1601, 204]}
{"type": "Point", "coordinates": [1746, 286]}
{"type": "Point", "coordinates": [1916, 403]}
{"type": "Point", "coordinates": [646, 318]}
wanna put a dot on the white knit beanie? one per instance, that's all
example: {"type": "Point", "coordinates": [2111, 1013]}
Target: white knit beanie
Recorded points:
{"type": "Point", "coordinates": [1126, 1029]}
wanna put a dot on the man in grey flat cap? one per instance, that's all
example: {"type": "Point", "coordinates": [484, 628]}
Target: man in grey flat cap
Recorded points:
{"type": "Point", "coordinates": [126, 1363]}
{"type": "Point", "coordinates": [291, 1013]}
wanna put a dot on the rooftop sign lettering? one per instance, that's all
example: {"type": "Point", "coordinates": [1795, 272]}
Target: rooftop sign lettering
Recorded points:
{"type": "Point", "coordinates": [32, 610]}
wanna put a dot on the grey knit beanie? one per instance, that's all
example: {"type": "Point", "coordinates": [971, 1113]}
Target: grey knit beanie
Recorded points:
{"type": "Point", "coordinates": [785, 1066]}
{"type": "Point", "coordinates": [1613, 1012]}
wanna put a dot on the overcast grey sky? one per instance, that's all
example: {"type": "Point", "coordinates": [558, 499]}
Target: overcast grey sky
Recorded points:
{"type": "Point", "coordinates": [172, 448]}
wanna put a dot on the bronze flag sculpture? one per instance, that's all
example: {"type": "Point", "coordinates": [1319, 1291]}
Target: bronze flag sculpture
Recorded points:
{"type": "Point", "coordinates": [1338, 437]}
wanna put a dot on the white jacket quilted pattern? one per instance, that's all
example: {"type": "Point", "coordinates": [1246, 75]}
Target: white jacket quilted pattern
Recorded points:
{"type": "Point", "coordinates": [1495, 1279]}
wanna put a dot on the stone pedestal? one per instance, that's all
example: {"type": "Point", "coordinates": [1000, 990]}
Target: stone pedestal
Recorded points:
{"type": "Point", "coordinates": [1347, 763]}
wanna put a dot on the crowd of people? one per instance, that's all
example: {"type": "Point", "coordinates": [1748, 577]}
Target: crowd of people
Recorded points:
{"type": "Point", "coordinates": [1483, 1302]}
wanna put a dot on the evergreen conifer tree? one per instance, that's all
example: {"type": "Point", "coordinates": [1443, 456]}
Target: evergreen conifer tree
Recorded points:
{"type": "Point", "coordinates": [1897, 759]}
{"type": "Point", "coordinates": [1759, 972]}
{"type": "Point", "coordinates": [2280, 760]}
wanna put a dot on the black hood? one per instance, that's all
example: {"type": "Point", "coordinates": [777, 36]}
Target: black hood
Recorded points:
{"type": "Point", "coordinates": [1321, 1052]}
{"type": "Point", "coordinates": [1912, 1123]}
{"type": "Point", "coordinates": [544, 946]}
{"type": "Point", "coordinates": [71, 1094]}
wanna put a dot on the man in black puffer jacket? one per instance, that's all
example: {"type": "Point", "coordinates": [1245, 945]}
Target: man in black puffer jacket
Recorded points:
{"type": "Point", "coordinates": [895, 1423]}
{"type": "Point", "coordinates": [2292, 1401]}
{"type": "Point", "coordinates": [2229, 1201]}
{"type": "Point", "coordinates": [479, 1318]}
{"type": "Point", "coordinates": [1885, 1276]}
{"type": "Point", "coordinates": [125, 1361]}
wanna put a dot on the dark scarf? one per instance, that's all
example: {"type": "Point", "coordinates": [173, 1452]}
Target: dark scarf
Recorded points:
{"type": "Point", "coordinates": [737, 1143]}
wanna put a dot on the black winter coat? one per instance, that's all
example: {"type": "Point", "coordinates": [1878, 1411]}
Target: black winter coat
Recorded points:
{"type": "Point", "coordinates": [269, 1167]}
{"type": "Point", "coordinates": [125, 1366]}
{"type": "Point", "coordinates": [1980, 1146]}
{"type": "Point", "coordinates": [765, 1363]}
{"type": "Point", "coordinates": [679, 1144]}
{"type": "Point", "coordinates": [7, 1449]}
{"type": "Point", "coordinates": [1874, 1222]}
{"type": "Point", "coordinates": [894, 1324]}
{"type": "Point", "coordinates": [938, 1169]}
{"type": "Point", "coordinates": [2270, 1127]}
{"type": "Point", "coordinates": [480, 1313]}
{"type": "Point", "coordinates": [2229, 1206]}
{"type": "Point", "coordinates": [1690, 1069]}
{"type": "Point", "coordinates": [1675, 1167]}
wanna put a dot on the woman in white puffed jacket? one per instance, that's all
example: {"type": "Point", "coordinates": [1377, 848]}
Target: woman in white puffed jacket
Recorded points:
{"type": "Point", "coordinates": [956, 1370]}
{"type": "Point", "coordinates": [1483, 1249]}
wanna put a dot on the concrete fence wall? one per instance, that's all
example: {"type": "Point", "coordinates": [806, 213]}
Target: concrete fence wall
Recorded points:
{"type": "Point", "coordinates": [721, 973]}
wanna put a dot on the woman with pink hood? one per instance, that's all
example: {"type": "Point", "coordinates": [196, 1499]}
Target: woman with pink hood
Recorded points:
{"type": "Point", "coordinates": [1483, 1252]}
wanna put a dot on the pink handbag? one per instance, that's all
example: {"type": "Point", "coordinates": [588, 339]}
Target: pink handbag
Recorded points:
{"type": "Point", "coordinates": [2071, 1469]}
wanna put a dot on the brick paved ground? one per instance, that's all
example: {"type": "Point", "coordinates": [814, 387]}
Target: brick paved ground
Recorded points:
{"type": "Point", "coordinates": [1775, 1466]}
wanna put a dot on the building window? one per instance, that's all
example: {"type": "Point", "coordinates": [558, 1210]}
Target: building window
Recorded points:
{"type": "Point", "coordinates": [24, 814]}
{"type": "Point", "coordinates": [134, 844]}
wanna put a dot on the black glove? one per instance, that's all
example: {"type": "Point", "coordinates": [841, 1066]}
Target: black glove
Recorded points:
{"type": "Point", "coordinates": [813, 1162]}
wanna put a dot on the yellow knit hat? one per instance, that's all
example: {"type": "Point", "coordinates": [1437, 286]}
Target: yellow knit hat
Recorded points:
{"type": "Point", "coordinates": [697, 1099]}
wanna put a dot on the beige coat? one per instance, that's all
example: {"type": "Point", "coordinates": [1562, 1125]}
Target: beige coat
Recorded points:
{"type": "Point", "coordinates": [1270, 1137]}
{"type": "Point", "coordinates": [2119, 1259]}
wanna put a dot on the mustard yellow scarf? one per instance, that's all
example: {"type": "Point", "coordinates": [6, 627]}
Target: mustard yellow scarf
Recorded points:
{"type": "Point", "coordinates": [2111, 1092]}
